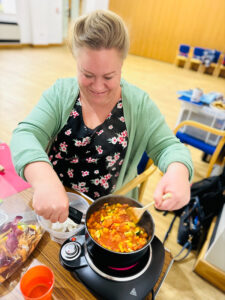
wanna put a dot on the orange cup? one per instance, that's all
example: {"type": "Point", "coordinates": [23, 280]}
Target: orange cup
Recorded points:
{"type": "Point", "coordinates": [37, 283]}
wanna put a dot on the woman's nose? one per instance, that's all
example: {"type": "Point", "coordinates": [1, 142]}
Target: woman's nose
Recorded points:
{"type": "Point", "coordinates": [98, 84]}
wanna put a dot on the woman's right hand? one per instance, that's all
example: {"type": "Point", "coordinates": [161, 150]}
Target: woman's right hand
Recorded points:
{"type": "Point", "coordinates": [49, 199]}
{"type": "Point", "coordinates": [51, 202]}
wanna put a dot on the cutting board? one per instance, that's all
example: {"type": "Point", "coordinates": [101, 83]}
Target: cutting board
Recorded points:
{"type": "Point", "coordinates": [10, 182]}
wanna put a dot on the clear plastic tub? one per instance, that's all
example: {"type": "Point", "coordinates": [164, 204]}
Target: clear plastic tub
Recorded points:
{"type": "Point", "coordinates": [77, 202]}
{"type": "Point", "coordinates": [204, 114]}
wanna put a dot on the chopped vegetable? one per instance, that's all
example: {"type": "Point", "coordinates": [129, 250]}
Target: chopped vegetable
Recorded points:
{"type": "Point", "coordinates": [114, 229]}
{"type": "Point", "coordinates": [67, 226]}
{"type": "Point", "coordinates": [17, 241]}
{"type": "Point", "coordinates": [11, 242]}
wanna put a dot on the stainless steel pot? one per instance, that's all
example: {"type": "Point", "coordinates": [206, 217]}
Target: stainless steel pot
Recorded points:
{"type": "Point", "coordinates": [112, 258]}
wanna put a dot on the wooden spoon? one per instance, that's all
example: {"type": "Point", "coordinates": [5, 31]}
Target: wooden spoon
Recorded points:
{"type": "Point", "coordinates": [136, 212]}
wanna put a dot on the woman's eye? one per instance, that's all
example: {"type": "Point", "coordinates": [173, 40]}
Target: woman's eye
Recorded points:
{"type": "Point", "coordinates": [108, 78]}
{"type": "Point", "coordinates": [88, 76]}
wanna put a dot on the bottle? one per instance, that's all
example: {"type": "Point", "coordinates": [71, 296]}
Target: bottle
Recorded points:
{"type": "Point", "coordinates": [196, 95]}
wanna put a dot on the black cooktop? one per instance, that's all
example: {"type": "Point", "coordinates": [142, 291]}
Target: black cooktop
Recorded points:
{"type": "Point", "coordinates": [109, 284]}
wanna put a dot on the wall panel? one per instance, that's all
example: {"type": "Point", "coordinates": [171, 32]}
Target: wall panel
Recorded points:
{"type": "Point", "coordinates": [157, 27]}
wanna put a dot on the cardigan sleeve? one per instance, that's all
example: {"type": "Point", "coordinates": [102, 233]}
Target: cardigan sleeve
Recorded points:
{"type": "Point", "coordinates": [31, 137]}
{"type": "Point", "coordinates": [163, 146]}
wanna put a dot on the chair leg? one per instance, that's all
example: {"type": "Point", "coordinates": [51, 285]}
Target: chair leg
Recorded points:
{"type": "Point", "coordinates": [201, 68]}
{"type": "Point", "coordinates": [188, 64]}
{"type": "Point", "coordinates": [215, 156]}
{"type": "Point", "coordinates": [216, 71]}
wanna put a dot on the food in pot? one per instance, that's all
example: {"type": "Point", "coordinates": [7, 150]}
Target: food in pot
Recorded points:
{"type": "Point", "coordinates": [114, 229]}
{"type": "Point", "coordinates": [17, 241]}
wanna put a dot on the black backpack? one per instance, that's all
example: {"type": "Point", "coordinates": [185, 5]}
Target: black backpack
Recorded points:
{"type": "Point", "coordinates": [207, 200]}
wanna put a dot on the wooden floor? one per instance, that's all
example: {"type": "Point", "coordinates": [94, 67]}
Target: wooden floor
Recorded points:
{"type": "Point", "coordinates": [26, 72]}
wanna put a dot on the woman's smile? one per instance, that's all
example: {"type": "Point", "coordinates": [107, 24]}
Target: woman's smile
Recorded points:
{"type": "Point", "coordinates": [97, 92]}
{"type": "Point", "coordinates": [99, 74]}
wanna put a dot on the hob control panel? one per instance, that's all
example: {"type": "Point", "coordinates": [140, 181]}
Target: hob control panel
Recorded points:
{"type": "Point", "coordinates": [72, 253]}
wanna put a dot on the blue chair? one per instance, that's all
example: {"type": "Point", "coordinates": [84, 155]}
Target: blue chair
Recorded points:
{"type": "Point", "coordinates": [142, 164]}
{"type": "Point", "coordinates": [184, 50]}
{"type": "Point", "coordinates": [216, 57]}
{"type": "Point", "coordinates": [198, 53]}
{"type": "Point", "coordinates": [210, 61]}
{"type": "Point", "coordinates": [182, 55]}
{"type": "Point", "coordinates": [195, 59]}
{"type": "Point", "coordinates": [216, 152]}
{"type": "Point", "coordinates": [219, 66]}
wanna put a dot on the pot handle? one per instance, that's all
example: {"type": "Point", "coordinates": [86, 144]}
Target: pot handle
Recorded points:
{"type": "Point", "coordinates": [76, 215]}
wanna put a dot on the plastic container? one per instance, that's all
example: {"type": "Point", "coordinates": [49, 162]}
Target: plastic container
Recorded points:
{"type": "Point", "coordinates": [37, 283]}
{"type": "Point", "coordinates": [20, 233]}
{"type": "Point", "coordinates": [75, 201]}
{"type": "Point", "coordinates": [203, 114]}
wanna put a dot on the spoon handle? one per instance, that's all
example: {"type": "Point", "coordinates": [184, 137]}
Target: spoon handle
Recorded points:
{"type": "Point", "coordinates": [164, 197]}
{"type": "Point", "coordinates": [148, 205]}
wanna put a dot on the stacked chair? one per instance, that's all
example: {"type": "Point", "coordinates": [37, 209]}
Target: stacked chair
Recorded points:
{"type": "Point", "coordinates": [200, 59]}
{"type": "Point", "coordinates": [220, 66]}
{"type": "Point", "coordinates": [182, 55]}
{"type": "Point", "coordinates": [195, 59]}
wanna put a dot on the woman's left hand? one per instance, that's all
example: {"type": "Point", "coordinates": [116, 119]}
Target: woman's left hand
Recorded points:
{"type": "Point", "coordinates": [174, 181]}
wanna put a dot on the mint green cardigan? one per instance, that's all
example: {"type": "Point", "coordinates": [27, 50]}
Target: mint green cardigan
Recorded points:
{"type": "Point", "coordinates": [147, 130]}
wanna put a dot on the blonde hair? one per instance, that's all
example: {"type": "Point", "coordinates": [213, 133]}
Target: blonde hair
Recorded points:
{"type": "Point", "coordinates": [99, 29]}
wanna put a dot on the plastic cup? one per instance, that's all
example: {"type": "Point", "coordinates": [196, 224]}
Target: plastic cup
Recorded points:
{"type": "Point", "coordinates": [37, 283]}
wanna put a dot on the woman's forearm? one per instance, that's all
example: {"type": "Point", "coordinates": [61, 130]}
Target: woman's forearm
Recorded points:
{"type": "Point", "coordinates": [40, 172]}
{"type": "Point", "coordinates": [50, 199]}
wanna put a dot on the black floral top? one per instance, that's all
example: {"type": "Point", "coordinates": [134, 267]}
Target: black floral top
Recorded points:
{"type": "Point", "coordinates": [89, 160]}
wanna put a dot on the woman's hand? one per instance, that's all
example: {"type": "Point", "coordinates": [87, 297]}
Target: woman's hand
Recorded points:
{"type": "Point", "coordinates": [51, 202]}
{"type": "Point", "coordinates": [174, 181]}
{"type": "Point", "coordinates": [49, 199]}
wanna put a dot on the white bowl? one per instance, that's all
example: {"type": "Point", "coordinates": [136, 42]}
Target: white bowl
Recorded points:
{"type": "Point", "coordinates": [75, 201]}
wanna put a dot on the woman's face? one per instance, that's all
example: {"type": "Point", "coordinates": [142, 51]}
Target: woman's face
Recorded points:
{"type": "Point", "coordinates": [99, 74]}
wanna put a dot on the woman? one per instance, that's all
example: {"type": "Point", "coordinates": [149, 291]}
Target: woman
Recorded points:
{"type": "Point", "coordinates": [96, 128]}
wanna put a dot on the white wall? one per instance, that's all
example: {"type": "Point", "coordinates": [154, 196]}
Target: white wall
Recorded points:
{"type": "Point", "coordinates": [44, 22]}
{"type": "Point", "coordinates": [8, 11]}
{"type": "Point", "coordinates": [75, 9]}
{"type": "Point", "coordinates": [90, 5]}
{"type": "Point", "coordinates": [23, 15]}
{"type": "Point", "coordinates": [9, 6]}
{"type": "Point", "coordinates": [41, 21]}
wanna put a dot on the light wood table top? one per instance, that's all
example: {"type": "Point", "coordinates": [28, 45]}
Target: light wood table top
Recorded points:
{"type": "Point", "coordinates": [47, 253]}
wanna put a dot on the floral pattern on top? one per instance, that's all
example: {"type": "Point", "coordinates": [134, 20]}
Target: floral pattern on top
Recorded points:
{"type": "Point", "coordinates": [90, 160]}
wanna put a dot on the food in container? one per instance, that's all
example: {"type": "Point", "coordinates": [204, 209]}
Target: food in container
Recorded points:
{"type": "Point", "coordinates": [18, 238]}
{"type": "Point", "coordinates": [59, 232]}
{"type": "Point", "coordinates": [67, 226]}
{"type": "Point", "coordinates": [117, 259]}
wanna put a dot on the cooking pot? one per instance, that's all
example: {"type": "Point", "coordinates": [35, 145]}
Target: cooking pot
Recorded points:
{"type": "Point", "coordinates": [111, 258]}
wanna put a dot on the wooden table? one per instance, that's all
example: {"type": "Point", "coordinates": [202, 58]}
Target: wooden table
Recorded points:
{"type": "Point", "coordinates": [65, 287]}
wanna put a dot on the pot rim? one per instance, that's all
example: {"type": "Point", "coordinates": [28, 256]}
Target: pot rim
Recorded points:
{"type": "Point", "coordinates": [115, 252]}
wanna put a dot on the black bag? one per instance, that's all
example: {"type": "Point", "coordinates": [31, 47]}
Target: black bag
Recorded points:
{"type": "Point", "coordinates": [207, 199]}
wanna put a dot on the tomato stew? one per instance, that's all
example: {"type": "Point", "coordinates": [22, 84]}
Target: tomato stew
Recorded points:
{"type": "Point", "coordinates": [113, 229]}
